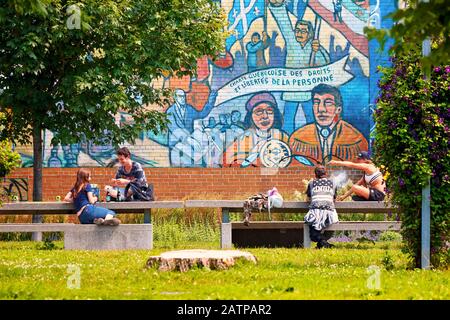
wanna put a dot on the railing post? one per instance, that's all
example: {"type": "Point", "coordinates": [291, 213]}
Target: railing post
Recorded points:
{"type": "Point", "coordinates": [225, 236]}
{"type": "Point", "coordinates": [148, 216]}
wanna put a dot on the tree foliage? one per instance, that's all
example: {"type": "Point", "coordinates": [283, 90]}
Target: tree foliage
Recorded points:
{"type": "Point", "coordinates": [413, 142]}
{"type": "Point", "coordinates": [413, 24]}
{"type": "Point", "coordinates": [73, 66]}
{"type": "Point", "coordinates": [75, 80]}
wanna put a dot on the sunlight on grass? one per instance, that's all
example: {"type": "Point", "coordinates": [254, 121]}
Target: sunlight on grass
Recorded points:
{"type": "Point", "coordinates": [27, 272]}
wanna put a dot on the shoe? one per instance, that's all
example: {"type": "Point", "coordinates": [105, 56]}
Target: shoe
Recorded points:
{"type": "Point", "coordinates": [326, 244]}
{"type": "Point", "coordinates": [111, 222]}
{"type": "Point", "coordinates": [319, 245]}
{"type": "Point", "coordinates": [99, 221]}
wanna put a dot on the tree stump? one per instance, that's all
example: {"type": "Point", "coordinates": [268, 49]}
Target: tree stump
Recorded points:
{"type": "Point", "coordinates": [183, 260]}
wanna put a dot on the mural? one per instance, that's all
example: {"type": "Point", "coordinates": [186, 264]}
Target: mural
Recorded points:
{"type": "Point", "coordinates": [294, 87]}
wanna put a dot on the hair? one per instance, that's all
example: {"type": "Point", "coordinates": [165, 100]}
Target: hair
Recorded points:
{"type": "Point", "coordinates": [320, 172]}
{"type": "Point", "coordinates": [82, 180]}
{"type": "Point", "coordinates": [124, 152]}
{"type": "Point", "coordinates": [256, 34]}
{"type": "Point", "coordinates": [322, 89]}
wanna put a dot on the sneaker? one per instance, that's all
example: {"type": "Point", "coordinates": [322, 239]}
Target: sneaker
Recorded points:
{"type": "Point", "coordinates": [99, 221]}
{"type": "Point", "coordinates": [111, 222]}
{"type": "Point", "coordinates": [246, 221]}
{"type": "Point", "coordinates": [326, 244]}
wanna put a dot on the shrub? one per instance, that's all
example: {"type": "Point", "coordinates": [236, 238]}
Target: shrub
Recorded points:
{"type": "Point", "coordinates": [412, 145]}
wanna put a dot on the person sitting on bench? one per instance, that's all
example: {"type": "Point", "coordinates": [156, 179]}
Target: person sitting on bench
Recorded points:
{"type": "Point", "coordinates": [321, 193]}
{"type": "Point", "coordinates": [82, 196]}
{"type": "Point", "coordinates": [371, 186]}
{"type": "Point", "coordinates": [131, 177]}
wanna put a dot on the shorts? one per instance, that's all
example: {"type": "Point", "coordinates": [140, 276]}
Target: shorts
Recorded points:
{"type": "Point", "coordinates": [374, 195]}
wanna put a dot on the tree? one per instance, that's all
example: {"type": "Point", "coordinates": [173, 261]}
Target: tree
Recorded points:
{"type": "Point", "coordinates": [412, 143]}
{"type": "Point", "coordinates": [71, 66]}
{"type": "Point", "coordinates": [413, 24]}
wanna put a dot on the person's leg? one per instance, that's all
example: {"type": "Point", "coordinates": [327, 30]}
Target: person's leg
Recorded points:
{"type": "Point", "coordinates": [315, 235]}
{"type": "Point", "coordinates": [104, 216]}
{"type": "Point", "coordinates": [86, 216]}
{"type": "Point", "coordinates": [376, 195]}
{"type": "Point", "coordinates": [361, 191]}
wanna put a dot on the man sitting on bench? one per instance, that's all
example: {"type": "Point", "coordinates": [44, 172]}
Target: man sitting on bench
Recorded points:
{"type": "Point", "coordinates": [131, 177]}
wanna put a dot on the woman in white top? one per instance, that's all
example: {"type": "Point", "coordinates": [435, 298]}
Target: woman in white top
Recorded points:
{"type": "Point", "coordinates": [371, 186]}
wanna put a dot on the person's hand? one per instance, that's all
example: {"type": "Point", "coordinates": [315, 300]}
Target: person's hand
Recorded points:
{"type": "Point", "coordinates": [340, 198]}
{"type": "Point", "coordinates": [264, 36]}
{"type": "Point", "coordinates": [315, 44]}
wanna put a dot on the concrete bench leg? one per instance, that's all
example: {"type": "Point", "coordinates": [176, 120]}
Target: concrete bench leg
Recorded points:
{"type": "Point", "coordinates": [124, 236]}
{"type": "Point", "coordinates": [225, 230]}
{"type": "Point", "coordinates": [306, 238]}
{"type": "Point", "coordinates": [225, 237]}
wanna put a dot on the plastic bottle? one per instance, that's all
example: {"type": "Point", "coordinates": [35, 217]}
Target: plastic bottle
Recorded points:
{"type": "Point", "coordinates": [118, 196]}
{"type": "Point", "coordinates": [107, 197]}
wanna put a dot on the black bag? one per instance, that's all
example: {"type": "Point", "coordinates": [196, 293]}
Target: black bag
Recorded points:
{"type": "Point", "coordinates": [140, 192]}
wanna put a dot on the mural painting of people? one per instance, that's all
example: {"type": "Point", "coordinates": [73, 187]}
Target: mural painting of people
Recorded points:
{"type": "Point", "coordinates": [181, 116]}
{"type": "Point", "coordinates": [329, 137]}
{"type": "Point", "coordinates": [263, 123]}
{"type": "Point", "coordinates": [255, 51]}
{"type": "Point", "coordinates": [303, 50]}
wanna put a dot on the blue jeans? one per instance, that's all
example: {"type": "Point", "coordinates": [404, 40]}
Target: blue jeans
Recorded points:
{"type": "Point", "coordinates": [92, 212]}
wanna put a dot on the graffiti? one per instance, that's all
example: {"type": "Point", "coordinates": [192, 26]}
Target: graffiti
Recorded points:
{"type": "Point", "coordinates": [294, 86]}
{"type": "Point", "coordinates": [16, 187]}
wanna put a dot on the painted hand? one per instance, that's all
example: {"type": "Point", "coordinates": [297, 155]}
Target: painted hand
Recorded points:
{"type": "Point", "coordinates": [315, 44]}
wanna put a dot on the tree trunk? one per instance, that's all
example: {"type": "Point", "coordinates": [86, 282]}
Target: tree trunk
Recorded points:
{"type": "Point", "coordinates": [37, 175]}
{"type": "Point", "coordinates": [183, 260]}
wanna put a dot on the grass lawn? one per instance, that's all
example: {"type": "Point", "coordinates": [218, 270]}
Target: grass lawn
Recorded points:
{"type": "Point", "coordinates": [27, 272]}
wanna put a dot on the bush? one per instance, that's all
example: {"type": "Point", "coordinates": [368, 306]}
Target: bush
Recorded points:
{"type": "Point", "coordinates": [390, 236]}
{"type": "Point", "coordinates": [412, 146]}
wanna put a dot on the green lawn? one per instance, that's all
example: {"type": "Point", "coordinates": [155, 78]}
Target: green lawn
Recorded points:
{"type": "Point", "coordinates": [339, 273]}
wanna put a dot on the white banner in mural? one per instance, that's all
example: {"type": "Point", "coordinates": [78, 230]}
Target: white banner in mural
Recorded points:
{"type": "Point", "coordinates": [285, 80]}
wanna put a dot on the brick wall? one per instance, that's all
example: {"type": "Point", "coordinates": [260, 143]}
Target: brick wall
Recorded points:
{"type": "Point", "coordinates": [190, 162]}
{"type": "Point", "coordinates": [183, 183]}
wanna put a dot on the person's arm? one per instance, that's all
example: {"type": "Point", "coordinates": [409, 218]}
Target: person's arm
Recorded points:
{"type": "Point", "coordinates": [349, 164]}
{"type": "Point", "coordinates": [120, 182]}
{"type": "Point", "coordinates": [208, 106]}
{"type": "Point", "coordinates": [92, 199]}
{"type": "Point", "coordinates": [308, 193]}
{"type": "Point", "coordinates": [345, 195]}
{"type": "Point", "coordinates": [68, 197]}
{"type": "Point", "coordinates": [360, 182]}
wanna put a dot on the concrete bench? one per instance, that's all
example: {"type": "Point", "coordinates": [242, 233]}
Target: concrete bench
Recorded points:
{"type": "Point", "coordinates": [79, 236]}
{"type": "Point", "coordinates": [345, 207]}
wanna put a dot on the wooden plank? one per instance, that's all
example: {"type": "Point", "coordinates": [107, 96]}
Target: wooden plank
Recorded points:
{"type": "Point", "coordinates": [345, 225]}
{"type": "Point", "coordinates": [296, 206]}
{"type": "Point", "coordinates": [27, 208]}
{"type": "Point", "coordinates": [33, 227]}
{"type": "Point", "coordinates": [366, 225]}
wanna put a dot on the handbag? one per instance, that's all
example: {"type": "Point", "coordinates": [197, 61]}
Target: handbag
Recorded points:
{"type": "Point", "coordinates": [140, 192]}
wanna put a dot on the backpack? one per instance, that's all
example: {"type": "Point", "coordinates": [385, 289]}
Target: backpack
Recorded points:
{"type": "Point", "coordinates": [140, 192]}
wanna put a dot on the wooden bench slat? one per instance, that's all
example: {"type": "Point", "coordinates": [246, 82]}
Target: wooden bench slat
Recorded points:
{"type": "Point", "coordinates": [35, 227]}
{"type": "Point", "coordinates": [28, 208]}
{"type": "Point", "coordinates": [345, 225]}
{"type": "Point", "coordinates": [296, 206]}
